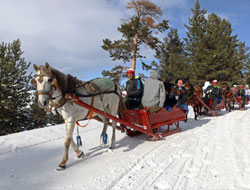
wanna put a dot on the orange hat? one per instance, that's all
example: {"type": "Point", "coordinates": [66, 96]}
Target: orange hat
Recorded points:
{"type": "Point", "coordinates": [130, 71]}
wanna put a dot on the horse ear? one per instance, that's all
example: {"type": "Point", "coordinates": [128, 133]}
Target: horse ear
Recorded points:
{"type": "Point", "coordinates": [33, 82]}
{"type": "Point", "coordinates": [35, 67]}
{"type": "Point", "coordinates": [47, 65]}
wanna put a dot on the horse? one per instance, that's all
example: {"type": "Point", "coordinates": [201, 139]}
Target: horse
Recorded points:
{"type": "Point", "coordinates": [53, 88]}
{"type": "Point", "coordinates": [193, 91]}
{"type": "Point", "coordinates": [228, 96]}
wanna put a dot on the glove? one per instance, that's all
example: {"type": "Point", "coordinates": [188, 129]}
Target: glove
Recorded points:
{"type": "Point", "coordinates": [177, 97]}
{"type": "Point", "coordinates": [124, 93]}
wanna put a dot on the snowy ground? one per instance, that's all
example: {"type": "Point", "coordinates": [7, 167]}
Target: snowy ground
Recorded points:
{"type": "Point", "coordinates": [211, 154]}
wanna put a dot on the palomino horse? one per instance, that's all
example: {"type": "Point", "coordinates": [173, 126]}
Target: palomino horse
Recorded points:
{"type": "Point", "coordinates": [228, 96]}
{"type": "Point", "coordinates": [194, 91]}
{"type": "Point", "coordinates": [53, 87]}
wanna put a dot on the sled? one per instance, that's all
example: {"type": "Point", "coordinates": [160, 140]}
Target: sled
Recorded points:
{"type": "Point", "coordinates": [240, 102]}
{"type": "Point", "coordinates": [142, 121]}
{"type": "Point", "coordinates": [209, 111]}
{"type": "Point", "coordinates": [154, 122]}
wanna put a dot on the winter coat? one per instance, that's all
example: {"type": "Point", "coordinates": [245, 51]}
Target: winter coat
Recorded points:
{"type": "Point", "coordinates": [134, 87]}
{"type": "Point", "coordinates": [212, 91]}
{"type": "Point", "coordinates": [180, 94]}
{"type": "Point", "coordinates": [154, 91]}
{"type": "Point", "coordinates": [241, 92]}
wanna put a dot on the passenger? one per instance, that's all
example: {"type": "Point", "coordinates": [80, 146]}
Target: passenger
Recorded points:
{"type": "Point", "coordinates": [206, 84]}
{"type": "Point", "coordinates": [154, 91]}
{"type": "Point", "coordinates": [235, 89]}
{"type": "Point", "coordinates": [213, 93]}
{"type": "Point", "coordinates": [241, 92]}
{"type": "Point", "coordinates": [169, 103]}
{"type": "Point", "coordinates": [180, 95]}
{"type": "Point", "coordinates": [134, 90]}
{"type": "Point", "coordinates": [247, 91]}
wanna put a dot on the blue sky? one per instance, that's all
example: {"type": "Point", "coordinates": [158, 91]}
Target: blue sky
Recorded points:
{"type": "Point", "coordinates": [69, 34]}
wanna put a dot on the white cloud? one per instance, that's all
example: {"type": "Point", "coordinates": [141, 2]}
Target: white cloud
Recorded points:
{"type": "Point", "coordinates": [67, 33]}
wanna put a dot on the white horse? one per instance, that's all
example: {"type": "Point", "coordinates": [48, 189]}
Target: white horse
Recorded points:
{"type": "Point", "coordinates": [53, 86]}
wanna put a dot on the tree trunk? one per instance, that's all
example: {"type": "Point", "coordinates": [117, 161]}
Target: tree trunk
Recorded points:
{"type": "Point", "coordinates": [134, 51]}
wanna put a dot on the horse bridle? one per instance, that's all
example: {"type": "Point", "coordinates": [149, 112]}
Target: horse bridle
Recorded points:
{"type": "Point", "coordinates": [49, 93]}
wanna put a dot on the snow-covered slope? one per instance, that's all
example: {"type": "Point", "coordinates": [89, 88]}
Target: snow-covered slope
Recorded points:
{"type": "Point", "coordinates": [211, 154]}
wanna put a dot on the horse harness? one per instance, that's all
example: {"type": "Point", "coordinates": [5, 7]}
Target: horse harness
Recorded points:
{"type": "Point", "coordinates": [71, 94]}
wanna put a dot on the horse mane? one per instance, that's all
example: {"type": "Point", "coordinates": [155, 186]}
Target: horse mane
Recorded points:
{"type": "Point", "coordinates": [61, 80]}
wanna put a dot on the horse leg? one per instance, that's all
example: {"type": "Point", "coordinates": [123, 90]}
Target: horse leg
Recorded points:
{"type": "Point", "coordinates": [104, 130]}
{"type": "Point", "coordinates": [113, 135]}
{"type": "Point", "coordinates": [195, 112]}
{"type": "Point", "coordinates": [69, 131]}
{"type": "Point", "coordinates": [79, 153]}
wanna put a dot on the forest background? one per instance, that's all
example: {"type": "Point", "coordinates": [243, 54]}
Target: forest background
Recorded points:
{"type": "Point", "coordinates": [210, 49]}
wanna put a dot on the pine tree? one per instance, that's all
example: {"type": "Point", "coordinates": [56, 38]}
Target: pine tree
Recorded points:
{"type": "Point", "coordinates": [40, 118]}
{"type": "Point", "coordinates": [136, 30]}
{"type": "Point", "coordinates": [243, 55]}
{"type": "Point", "coordinates": [116, 74]}
{"type": "Point", "coordinates": [222, 59]}
{"type": "Point", "coordinates": [171, 56]}
{"type": "Point", "coordinates": [15, 96]}
{"type": "Point", "coordinates": [196, 42]}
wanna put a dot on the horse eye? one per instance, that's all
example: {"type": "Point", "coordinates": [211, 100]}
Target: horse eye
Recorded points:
{"type": "Point", "coordinates": [50, 80]}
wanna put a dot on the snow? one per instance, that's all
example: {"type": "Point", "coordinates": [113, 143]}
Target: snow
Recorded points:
{"type": "Point", "coordinates": [212, 153]}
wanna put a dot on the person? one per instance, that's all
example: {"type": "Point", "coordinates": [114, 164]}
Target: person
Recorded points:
{"type": "Point", "coordinates": [154, 91]}
{"type": "Point", "coordinates": [247, 90]}
{"type": "Point", "coordinates": [180, 95]}
{"type": "Point", "coordinates": [213, 93]}
{"type": "Point", "coordinates": [134, 90]}
{"type": "Point", "coordinates": [206, 84]}
{"type": "Point", "coordinates": [169, 103]}
{"type": "Point", "coordinates": [241, 92]}
{"type": "Point", "coordinates": [235, 89]}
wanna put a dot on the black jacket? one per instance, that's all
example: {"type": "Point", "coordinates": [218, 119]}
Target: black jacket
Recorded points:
{"type": "Point", "coordinates": [179, 94]}
{"type": "Point", "coordinates": [212, 91]}
{"type": "Point", "coordinates": [241, 92]}
{"type": "Point", "coordinates": [134, 88]}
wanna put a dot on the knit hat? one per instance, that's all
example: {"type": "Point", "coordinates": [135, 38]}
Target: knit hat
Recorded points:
{"type": "Point", "coordinates": [130, 71]}
{"type": "Point", "coordinates": [214, 82]}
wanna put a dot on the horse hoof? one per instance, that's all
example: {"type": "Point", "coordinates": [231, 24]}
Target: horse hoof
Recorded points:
{"type": "Point", "coordinates": [81, 155]}
{"type": "Point", "coordinates": [61, 167]}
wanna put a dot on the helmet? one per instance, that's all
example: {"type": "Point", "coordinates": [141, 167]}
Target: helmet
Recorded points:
{"type": "Point", "coordinates": [241, 86]}
{"type": "Point", "coordinates": [214, 82]}
{"type": "Point", "coordinates": [130, 71]}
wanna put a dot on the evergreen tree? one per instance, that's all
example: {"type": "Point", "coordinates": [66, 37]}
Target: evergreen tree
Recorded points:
{"type": "Point", "coordinates": [40, 118]}
{"type": "Point", "coordinates": [136, 30]}
{"type": "Point", "coordinates": [171, 56]}
{"type": "Point", "coordinates": [15, 96]}
{"type": "Point", "coordinates": [244, 56]}
{"type": "Point", "coordinates": [196, 42]}
{"type": "Point", "coordinates": [221, 47]}
{"type": "Point", "coordinates": [116, 74]}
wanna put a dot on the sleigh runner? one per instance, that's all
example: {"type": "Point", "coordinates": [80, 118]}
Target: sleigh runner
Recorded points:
{"type": "Point", "coordinates": [218, 107]}
{"type": "Point", "coordinates": [142, 121]}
